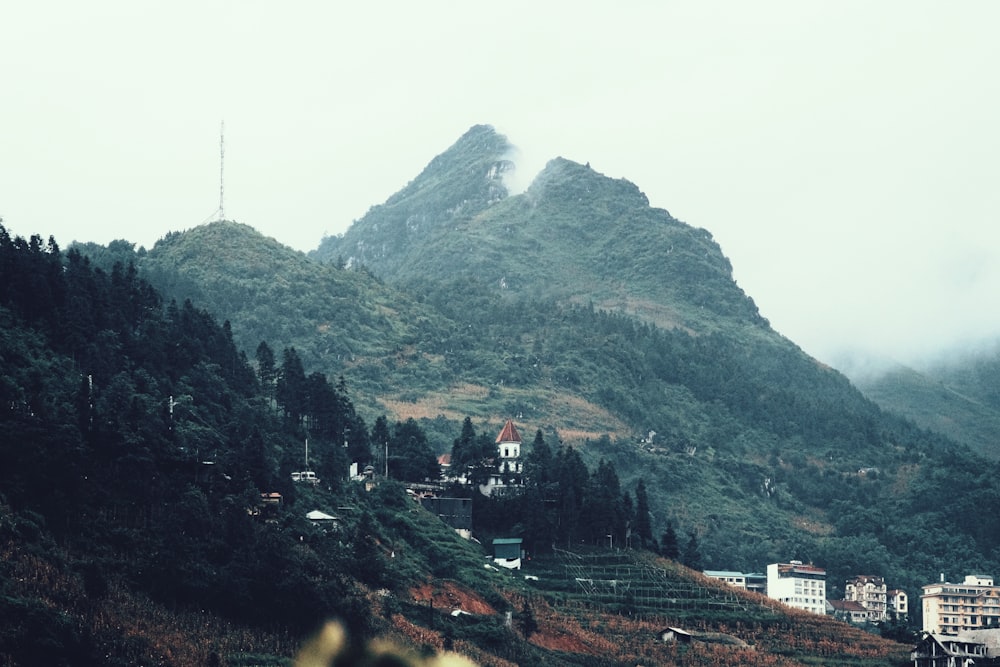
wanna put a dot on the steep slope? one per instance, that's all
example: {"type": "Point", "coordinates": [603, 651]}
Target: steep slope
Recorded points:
{"type": "Point", "coordinates": [573, 236]}
{"type": "Point", "coordinates": [135, 446]}
{"type": "Point", "coordinates": [454, 186]}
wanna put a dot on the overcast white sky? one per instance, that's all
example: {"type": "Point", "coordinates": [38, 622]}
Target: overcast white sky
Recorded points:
{"type": "Point", "coordinates": [844, 154]}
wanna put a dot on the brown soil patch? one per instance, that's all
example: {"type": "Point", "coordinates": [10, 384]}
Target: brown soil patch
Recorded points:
{"type": "Point", "coordinates": [449, 595]}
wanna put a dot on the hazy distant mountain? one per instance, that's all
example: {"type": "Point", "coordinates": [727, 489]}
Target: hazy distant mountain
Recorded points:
{"type": "Point", "coordinates": [959, 398]}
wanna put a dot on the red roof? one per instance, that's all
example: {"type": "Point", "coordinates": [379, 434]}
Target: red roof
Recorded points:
{"type": "Point", "coordinates": [509, 433]}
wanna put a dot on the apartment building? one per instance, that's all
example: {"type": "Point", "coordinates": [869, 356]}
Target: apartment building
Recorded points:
{"type": "Point", "coordinates": [798, 585]}
{"type": "Point", "coordinates": [950, 608]}
{"type": "Point", "coordinates": [870, 592]}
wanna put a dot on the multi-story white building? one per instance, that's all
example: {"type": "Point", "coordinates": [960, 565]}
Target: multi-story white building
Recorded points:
{"type": "Point", "coordinates": [870, 592]}
{"type": "Point", "coordinates": [798, 585]}
{"type": "Point", "coordinates": [950, 608]}
{"type": "Point", "coordinates": [898, 603]}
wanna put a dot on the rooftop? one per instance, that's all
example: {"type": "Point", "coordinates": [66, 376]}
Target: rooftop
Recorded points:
{"type": "Point", "coordinates": [509, 433]}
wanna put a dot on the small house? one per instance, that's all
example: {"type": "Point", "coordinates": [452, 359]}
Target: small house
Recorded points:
{"type": "Point", "coordinates": [675, 635]}
{"type": "Point", "coordinates": [323, 520]}
{"type": "Point", "coordinates": [507, 552]}
{"type": "Point", "coordinates": [851, 611]}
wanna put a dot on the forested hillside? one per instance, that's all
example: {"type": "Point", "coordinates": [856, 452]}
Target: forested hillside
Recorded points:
{"type": "Point", "coordinates": [611, 326]}
{"type": "Point", "coordinates": [142, 457]}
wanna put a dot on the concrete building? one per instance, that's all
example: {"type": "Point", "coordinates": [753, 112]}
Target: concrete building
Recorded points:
{"type": "Point", "coordinates": [898, 602]}
{"type": "Point", "coordinates": [755, 581]}
{"type": "Point", "coordinates": [950, 608]}
{"type": "Point", "coordinates": [798, 585]}
{"type": "Point", "coordinates": [847, 610]}
{"type": "Point", "coordinates": [870, 592]}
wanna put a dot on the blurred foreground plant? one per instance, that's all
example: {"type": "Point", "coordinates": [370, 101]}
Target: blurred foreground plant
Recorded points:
{"type": "Point", "coordinates": [330, 648]}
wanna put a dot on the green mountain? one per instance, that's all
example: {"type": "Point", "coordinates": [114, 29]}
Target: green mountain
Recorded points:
{"type": "Point", "coordinates": [575, 236]}
{"type": "Point", "coordinates": [578, 309]}
{"type": "Point", "coordinates": [618, 332]}
{"type": "Point", "coordinates": [339, 321]}
{"type": "Point", "coordinates": [956, 398]}
{"type": "Point", "coordinates": [148, 514]}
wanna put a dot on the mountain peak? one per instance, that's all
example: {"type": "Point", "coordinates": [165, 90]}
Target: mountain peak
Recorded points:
{"type": "Point", "coordinates": [585, 183]}
{"type": "Point", "coordinates": [475, 164]}
{"type": "Point", "coordinates": [456, 185]}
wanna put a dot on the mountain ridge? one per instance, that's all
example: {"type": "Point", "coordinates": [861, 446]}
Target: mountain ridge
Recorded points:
{"type": "Point", "coordinates": [623, 244]}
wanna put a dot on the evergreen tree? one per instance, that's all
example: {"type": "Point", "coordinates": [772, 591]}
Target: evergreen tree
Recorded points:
{"type": "Point", "coordinates": [669, 546]}
{"type": "Point", "coordinates": [603, 506]}
{"type": "Point", "coordinates": [572, 480]}
{"type": "Point", "coordinates": [538, 462]}
{"type": "Point", "coordinates": [628, 507]}
{"type": "Point", "coordinates": [692, 553]}
{"type": "Point", "coordinates": [291, 389]}
{"type": "Point", "coordinates": [267, 372]}
{"type": "Point", "coordinates": [411, 458]}
{"type": "Point", "coordinates": [643, 527]}
{"type": "Point", "coordinates": [358, 444]}
{"type": "Point", "coordinates": [463, 452]}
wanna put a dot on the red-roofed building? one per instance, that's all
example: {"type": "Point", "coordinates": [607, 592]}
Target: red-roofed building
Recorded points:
{"type": "Point", "coordinates": [508, 468]}
{"type": "Point", "coordinates": [848, 610]}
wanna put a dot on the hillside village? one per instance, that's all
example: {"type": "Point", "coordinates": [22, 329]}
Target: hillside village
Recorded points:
{"type": "Point", "coordinates": [959, 620]}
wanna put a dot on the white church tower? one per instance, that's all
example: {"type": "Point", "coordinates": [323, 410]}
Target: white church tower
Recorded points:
{"type": "Point", "coordinates": [508, 460]}
{"type": "Point", "coordinates": [509, 450]}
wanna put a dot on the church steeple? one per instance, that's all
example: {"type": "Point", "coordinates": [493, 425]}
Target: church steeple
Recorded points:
{"type": "Point", "coordinates": [509, 449]}
{"type": "Point", "coordinates": [509, 434]}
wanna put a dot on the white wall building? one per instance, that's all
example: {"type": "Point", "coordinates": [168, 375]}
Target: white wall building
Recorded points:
{"type": "Point", "coordinates": [898, 602]}
{"type": "Point", "coordinates": [798, 585]}
{"type": "Point", "coordinates": [870, 592]}
{"type": "Point", "coordinates": [508, 460]}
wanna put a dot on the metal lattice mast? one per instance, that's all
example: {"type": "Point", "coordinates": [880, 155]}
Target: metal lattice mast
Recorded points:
{"type": "Point", "coordinates": [222, 170]}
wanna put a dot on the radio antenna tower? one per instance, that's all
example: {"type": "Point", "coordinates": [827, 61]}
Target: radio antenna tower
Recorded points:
{"type": "Point", "coordinates": [222, 170]}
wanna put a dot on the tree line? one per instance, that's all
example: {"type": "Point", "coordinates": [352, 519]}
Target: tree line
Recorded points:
{"type": "Point", "coordinates": [558, 502]}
